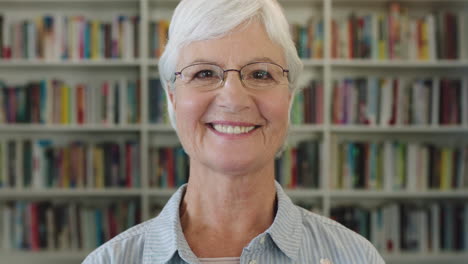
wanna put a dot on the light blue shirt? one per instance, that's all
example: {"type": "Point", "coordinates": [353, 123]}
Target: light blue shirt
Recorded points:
{"type": "Point", "coordinates": [296, 236]}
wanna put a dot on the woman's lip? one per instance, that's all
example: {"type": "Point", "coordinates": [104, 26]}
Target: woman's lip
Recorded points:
{"type": "Point", "coordinates": [231, 136]}
{"type": "Point", "coordinates": [230, 123]}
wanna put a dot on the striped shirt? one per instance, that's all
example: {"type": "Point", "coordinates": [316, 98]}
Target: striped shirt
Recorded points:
{"type": "Point", "coordinates": [296, 236]}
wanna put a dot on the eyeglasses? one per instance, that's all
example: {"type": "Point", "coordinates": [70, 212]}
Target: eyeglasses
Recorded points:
{"type": "Point", "coordinates": [255, 75]}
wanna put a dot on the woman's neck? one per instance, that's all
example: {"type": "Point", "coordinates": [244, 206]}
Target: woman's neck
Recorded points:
{"type": "Point", "coordinates": [226, 212]}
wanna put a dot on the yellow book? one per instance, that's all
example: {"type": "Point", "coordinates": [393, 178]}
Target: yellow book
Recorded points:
{"type": "Point", "coordinates": [65, 103]}
{"type": "Point", "coordinates": [446, 169]}
{"type": "Point", "coordinates": [341, 167]}
{"type": "Point", "coordinates": [424, 41]}
{"type": "Point", "coordinates": [80, 166]}
{"type": "Point", "coordinates": [382, 38]}
{"type": "Point", "coordinates": [95, 41]}
{"type": "Point", "coordinates": [318, 49]}
{"type": "Point", "coordinates": [98, 166]}
{"type": "Point", "coordinates": [162, 36]}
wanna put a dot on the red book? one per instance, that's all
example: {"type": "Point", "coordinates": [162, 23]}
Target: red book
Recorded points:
{"type": "Point", "coordinates": [80, 103]}
{"type": "Point", "coordinates": [336, 103]}
{"type": "Point", "coordinates": [6, 52]}
{"type": "Point", "coordinates": [294, 166]}
{"type": "Point", "coordinates": [319, 102]}
{"type": "Point", "coordinates": [335, 40]}
{"type": "Point", "coordinates": [34, 236]}
{"type": "Point", "coordinates": [351, 38]}
{"type": "Point", "coordinates": [445, 102]}
{"type": "Point", "coordinates": [170, 167]}
{"type": "Point", "coordinates": [360, 37]}
{"type": "Point", "coordinates": [128, 165]}
{"type": "Point", "coordinates": [112, 222]}
{"type": "Point", "coordinates": [107, 40]}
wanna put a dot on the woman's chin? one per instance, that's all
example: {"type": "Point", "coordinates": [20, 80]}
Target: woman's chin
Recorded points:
{"type": "Point", "coordinates": [236, 167]}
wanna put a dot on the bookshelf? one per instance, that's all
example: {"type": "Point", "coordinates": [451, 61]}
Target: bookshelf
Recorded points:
{"type": "Point", "coordinates": [323, 66]}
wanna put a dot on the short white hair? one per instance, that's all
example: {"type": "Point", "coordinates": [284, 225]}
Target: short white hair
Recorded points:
{"type": "Point", "coordinates": [196, 20]}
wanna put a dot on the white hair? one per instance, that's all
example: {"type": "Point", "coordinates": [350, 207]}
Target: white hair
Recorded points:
{"type": "Point", "coordinates": [196, 20]}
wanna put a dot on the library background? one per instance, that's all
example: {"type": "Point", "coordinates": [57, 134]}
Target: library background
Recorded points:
{"type": "Point", "coordinates": [379, 136]}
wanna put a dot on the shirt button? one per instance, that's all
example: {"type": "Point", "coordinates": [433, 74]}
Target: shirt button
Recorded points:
{"type": "Point", "coordinates": [262, 240]}
{"type": "Point", "coordinates": [253, 261]}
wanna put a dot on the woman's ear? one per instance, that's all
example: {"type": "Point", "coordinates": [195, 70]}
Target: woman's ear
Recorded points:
{"type": "Point", "coordinates": [171, 93]}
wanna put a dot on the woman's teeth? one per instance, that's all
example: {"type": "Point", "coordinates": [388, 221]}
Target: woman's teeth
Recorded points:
{"type": "Point", "coordinates": [233, 129]}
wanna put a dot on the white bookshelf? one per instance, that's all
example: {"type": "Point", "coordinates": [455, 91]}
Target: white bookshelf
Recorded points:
{"type": "Point", "coordinates": [148, 134]}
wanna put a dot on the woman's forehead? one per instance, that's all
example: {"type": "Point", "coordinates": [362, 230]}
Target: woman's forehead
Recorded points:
{"type": "Point", "coordinates": [244, 44]}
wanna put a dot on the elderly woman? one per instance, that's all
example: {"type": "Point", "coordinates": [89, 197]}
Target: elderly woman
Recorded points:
{"type": "Point", "coordinates": [229, 70]}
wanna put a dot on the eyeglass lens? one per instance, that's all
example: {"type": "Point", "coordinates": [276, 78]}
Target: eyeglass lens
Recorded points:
{"type": "Point", "coordinates": [254, 75]}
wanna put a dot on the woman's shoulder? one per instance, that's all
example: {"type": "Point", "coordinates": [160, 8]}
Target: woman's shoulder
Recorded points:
{"type": "Point", "coordinates": [126, 247]}
{"type": "Point", "coordinates": [337, 240]}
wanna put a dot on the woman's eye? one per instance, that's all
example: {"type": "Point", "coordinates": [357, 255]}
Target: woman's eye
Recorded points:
{"type": "Point", "coordinates": [262, 75]}
{"type": "Point", "coordinates": [204, 74]}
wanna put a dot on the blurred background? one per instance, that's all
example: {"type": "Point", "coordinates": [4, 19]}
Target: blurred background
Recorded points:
{"type": "Point", "coordinates": [378, 141]}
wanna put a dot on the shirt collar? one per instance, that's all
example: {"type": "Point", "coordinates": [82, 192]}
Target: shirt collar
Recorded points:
{"type": "Point", "coordinates": [164, 236]}
{"type": "Point", "coordinates": [286, 230]}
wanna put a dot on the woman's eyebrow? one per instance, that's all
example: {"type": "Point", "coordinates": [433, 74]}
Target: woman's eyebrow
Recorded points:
{"type": "Point", "coordinates": [202, 61]}
{"type": "Point", "coordinates": [255, 59]}
{"type": "Point", "coordinates": [262, 59]}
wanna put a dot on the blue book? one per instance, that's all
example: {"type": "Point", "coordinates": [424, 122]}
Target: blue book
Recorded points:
{"type": "Point", "coordinates": [99, 227]}
{"type": "Point", "coordinates": [42, 101]}
{"type": "Point", "coordinates": [87, 40]}
{"type": "Point", "coordinates": [131, 214]}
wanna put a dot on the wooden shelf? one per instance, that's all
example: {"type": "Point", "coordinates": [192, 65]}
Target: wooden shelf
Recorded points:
{"type": "Point", "coordinates": [14, 193]}
{"type": "Point", "coordinates": [68, 128]}
{"type": "Point", "coordinates": [427, 258]}
{"type": "Point", "coordinates": [82, 63]}
{"type": "Point", "coordinates": [43, 257]}
{"type": "Point", "coordinates": [403, 194]}
{"type": "Point", "coordinates": [398, 63]}
{"type": "Point", "coordinates": [398, 129]}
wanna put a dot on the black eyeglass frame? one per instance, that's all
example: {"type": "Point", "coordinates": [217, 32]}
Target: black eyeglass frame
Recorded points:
{"type": "Point", "coordinates": [228, 70]}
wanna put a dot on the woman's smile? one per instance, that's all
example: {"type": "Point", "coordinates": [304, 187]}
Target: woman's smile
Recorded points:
{"type": "Point", "coordinates": [232, 130]}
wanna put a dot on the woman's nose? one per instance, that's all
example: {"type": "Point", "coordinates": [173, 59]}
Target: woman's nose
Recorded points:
{"type": "Point", "coordinates": [234, 96]}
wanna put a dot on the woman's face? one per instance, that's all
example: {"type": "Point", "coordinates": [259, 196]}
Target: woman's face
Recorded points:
{"type": "Point", "coordinates": [213, 126]}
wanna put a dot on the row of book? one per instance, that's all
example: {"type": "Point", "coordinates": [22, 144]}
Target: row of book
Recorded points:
{"type": "Point", "coordinates": [41, 163]}
{"type": "Point", "coordinates": [398, 227]}
{"type": "Point", "coordinates": [54, 101]}
{"type": "Point", "coordinates": [309, 38]}
{"type": "Point", "coordinates": [308, 104]}
{"type": "Point", "coordinates": [60, 37]}
{"type": "Point", "coordinates": [54, 226]}
{"type": "Point", "coordinates": [299, 166]}
{"type": "Point", "coordinates": [168, 167]}
{"type": "Point", "coordinates": [396, 165]}
{"type": "Point", "coordinates": [158, 35]}
{"type": "Point", "coordinates": [400, 101]}
{"type": "Point", "coordinates": [398, 35]}
{"type": "Point", "coordinates": [157, 112]}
